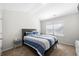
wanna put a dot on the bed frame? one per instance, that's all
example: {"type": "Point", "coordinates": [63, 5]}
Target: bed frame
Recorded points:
{"type": "Point", "coordinates": [30, 30]}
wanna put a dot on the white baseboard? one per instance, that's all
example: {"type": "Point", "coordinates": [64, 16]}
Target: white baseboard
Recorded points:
{"type": "Point", "coordinates": [7, 49]}
{"type": "Point", "coordinates": [66, 43]}
{"type": "Point", "coordinates": [10, 48]}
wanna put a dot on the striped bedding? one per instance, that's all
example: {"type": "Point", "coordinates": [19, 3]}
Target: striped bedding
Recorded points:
{"type": "Point", "coordinates": [51, 38]}
{"type": "Point", "coordinates": [39, 43]}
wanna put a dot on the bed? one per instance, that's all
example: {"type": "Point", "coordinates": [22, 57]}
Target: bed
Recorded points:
{"type": "Point", "coordinates": [40, 43]}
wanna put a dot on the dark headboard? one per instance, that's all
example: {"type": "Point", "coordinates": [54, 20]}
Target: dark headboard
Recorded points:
{"type": "Point", "coordinates": [24, 33]}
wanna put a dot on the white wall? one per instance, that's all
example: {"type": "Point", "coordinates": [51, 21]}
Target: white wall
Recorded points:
{"type": "Point", "coordinates": [13, 22]}
{"type": "Point", "coordinates": [0, 13]}
{"type": "Point", "coordinates": [0, 21]}
{"type": "Point", "coordinates": [71, 28]}
{"type": "Point", "coordinates": [0, 30]}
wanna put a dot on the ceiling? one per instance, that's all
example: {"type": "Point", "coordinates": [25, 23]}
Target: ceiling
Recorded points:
{"type": "Point", "coordinates": [44, 11]}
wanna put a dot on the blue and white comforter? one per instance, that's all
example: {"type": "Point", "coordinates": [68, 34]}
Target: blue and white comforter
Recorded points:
{"type": "Point", "coordinates": [39, 43]}
{"type": "Point", "coordinates": [51, 38]}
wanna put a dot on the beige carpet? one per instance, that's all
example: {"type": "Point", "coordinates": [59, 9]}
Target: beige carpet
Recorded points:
{"type": "Point", "coordinates": [61, 50]}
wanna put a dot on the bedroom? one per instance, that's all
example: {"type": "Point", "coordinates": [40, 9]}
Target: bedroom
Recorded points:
{"type": "Point", "coordinates": [58, 20]}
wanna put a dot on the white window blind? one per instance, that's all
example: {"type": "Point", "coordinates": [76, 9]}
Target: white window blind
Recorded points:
{"type": "Point", "coordinates": [55, 29]}
{"type": "Point", "coordinates": [49, 29]}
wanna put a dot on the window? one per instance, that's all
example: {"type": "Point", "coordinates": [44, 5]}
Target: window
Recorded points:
{"type": "Point", "coordinates": [49, 29]}
{"type": "Point", "coordinates": [59, 29]}
{"type": "Point", "coordinates": [55, 29]}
